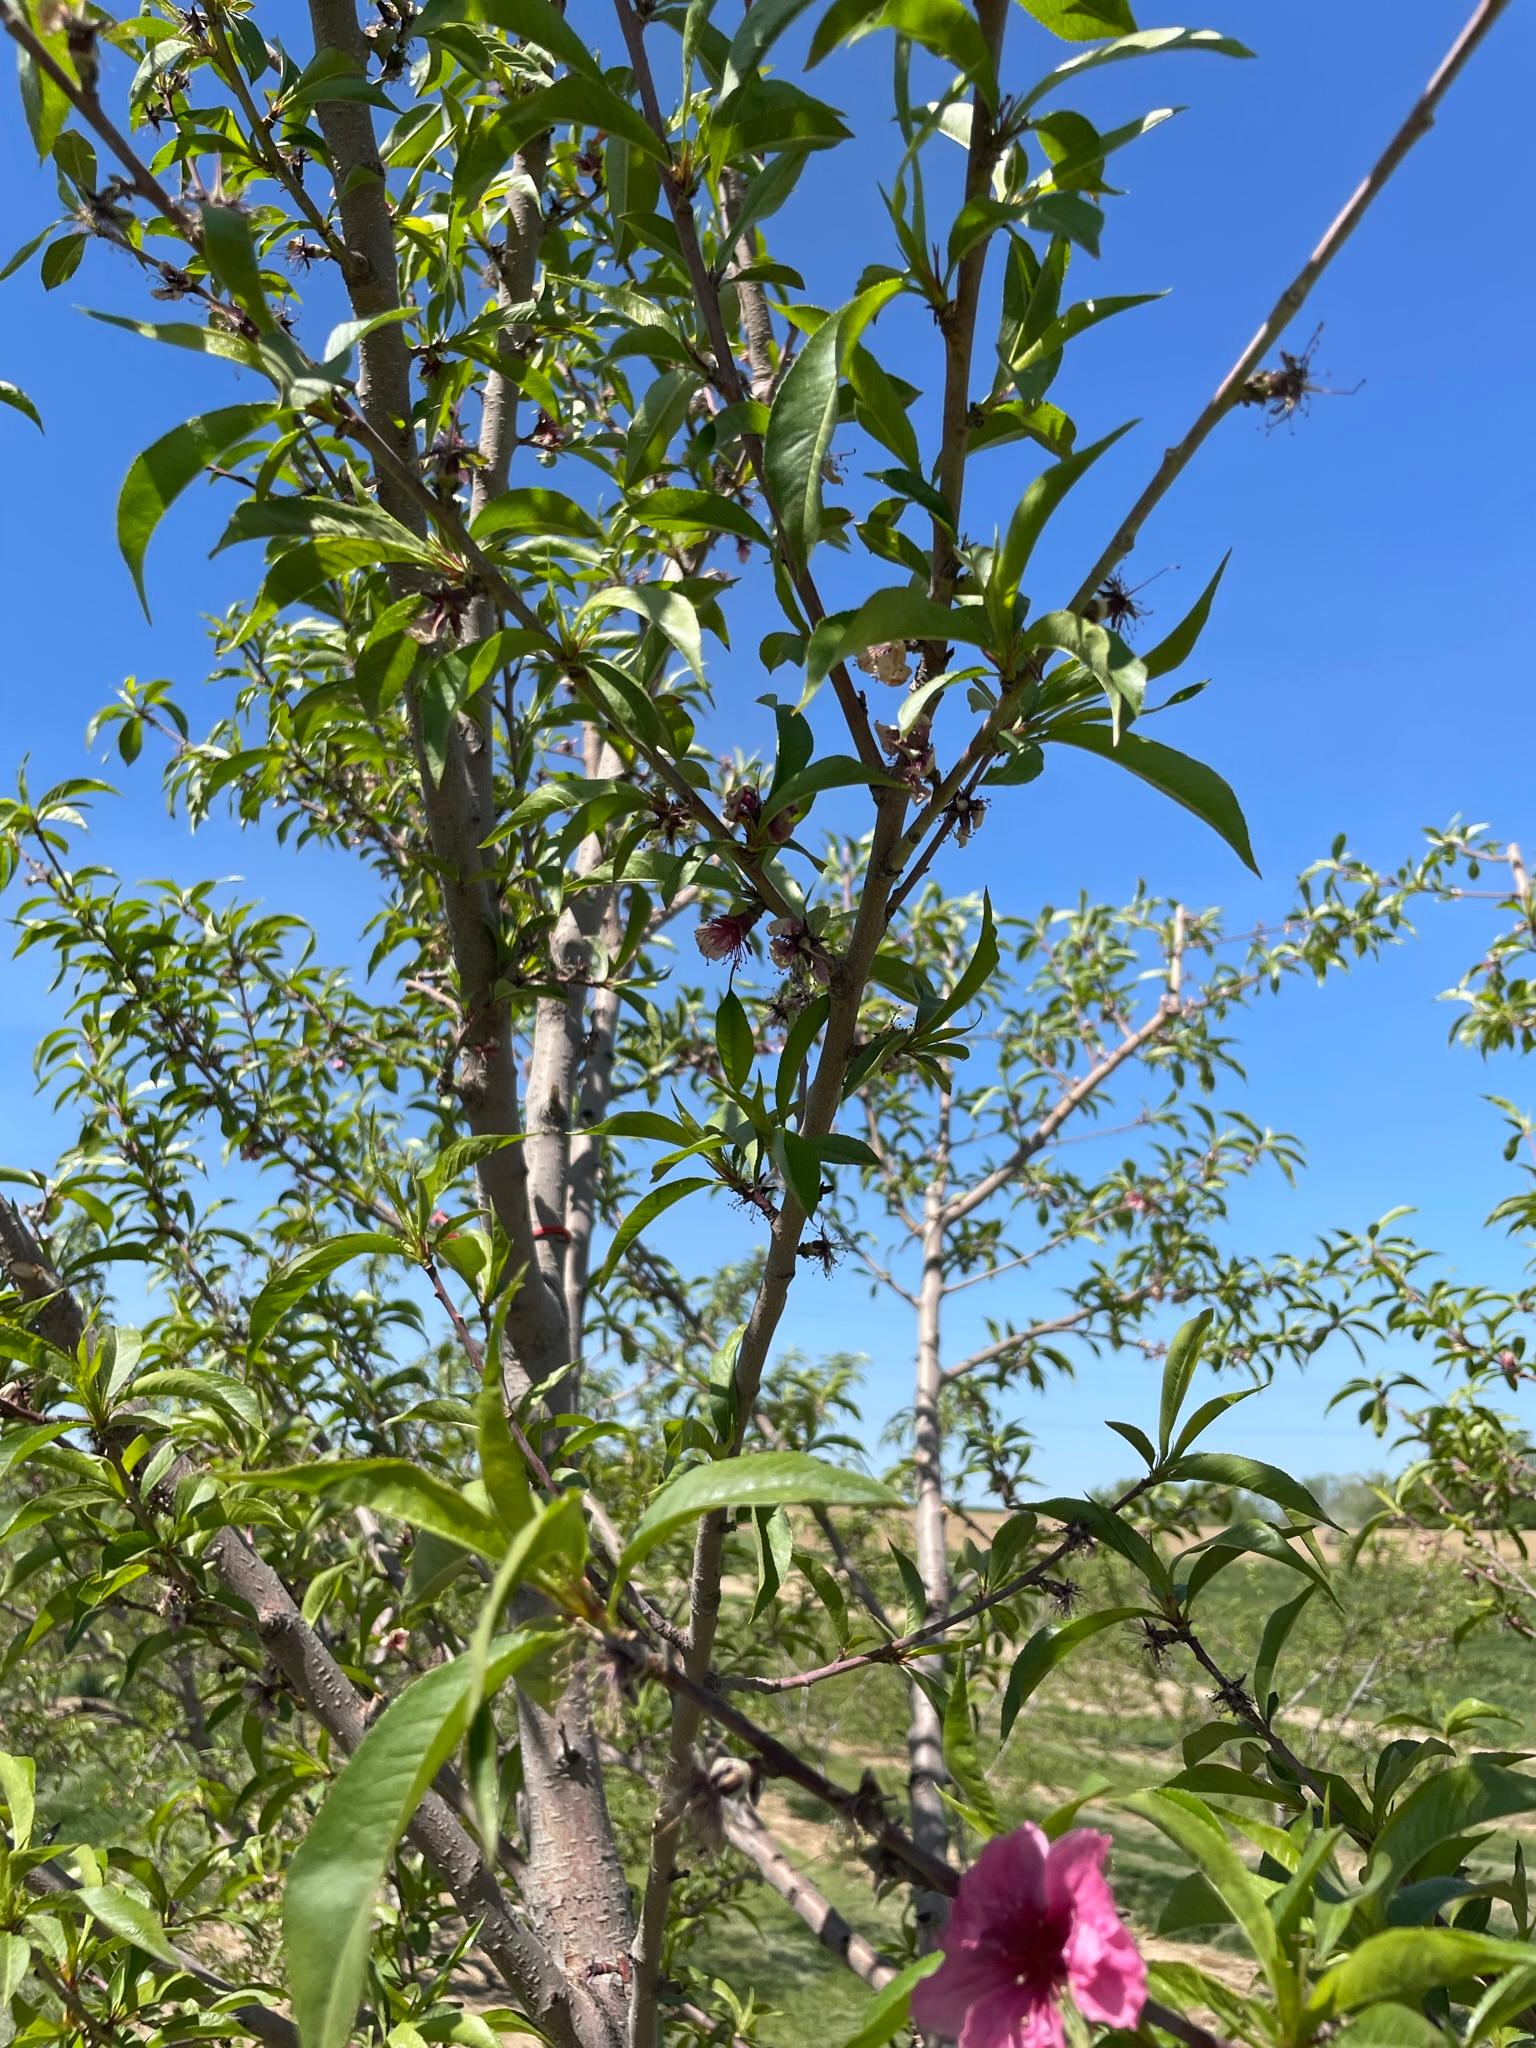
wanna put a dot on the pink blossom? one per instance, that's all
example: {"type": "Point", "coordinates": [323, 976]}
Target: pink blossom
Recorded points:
{"type": "Point", "coordinates": [724, 937]}
{"type": "Point", "coordinates": [1033, 1919]}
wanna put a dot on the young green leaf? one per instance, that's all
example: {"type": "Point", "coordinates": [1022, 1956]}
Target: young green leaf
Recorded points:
{"type": "Point", "coordinates": [390, 1486]}
{"type": "Point", "coordinates": [1083, 21]}
{"type": "Point", "coordinates": [889, 2011]}
{"type": "Point", "coordinates": [339, 1867]}
{"type": "Point", "coordinates": [1039, 501]}
{"type": "Point", "coordinates": [1177, 646]}
{"type": "Point", "coordinates": [804, 415]}
{"type": "Point", "coordinates": [764, 1479]}
{"type": "Point", "coordinates": [734, 1040]}
{"type": "Point", "coordinates": [1178, 1370]}
{"type": "Point", "coordinates": [287, 1288]}
{"type": "Point", "coordinates": [159, 476]}
{"type": "Point", "coordinates": [1047, 1647]}
{"type": "Point", "coordinates": [13, 396]}
{"type": "Point", "coordinates": [645, 1211]}
{"type": "Point", "coordinates": [1199, 789]}
{"type": "Point", "coordinates": [961, 1754]}
{"type": "Point", "coordinates": [1191, 1824]}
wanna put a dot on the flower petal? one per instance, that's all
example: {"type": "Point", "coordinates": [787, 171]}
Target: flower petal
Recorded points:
{"type": "Point", "coordinates": [969, 1976]}
{"type": "Point", "coordinates": [1009, 2019]}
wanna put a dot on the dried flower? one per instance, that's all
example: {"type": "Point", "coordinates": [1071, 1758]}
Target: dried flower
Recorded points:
{"type": "Point", "coordinates": [887, 661]}
{"type": "Point", "coordinates": [724, 936]}
{"type": "Point", "coordinates": [967, 812]}
{"type": "Point", "coordinates": [1033, 1919]}
{"type": "Point", "coordinates": [792, 944]}
{"type": "Point", "coordinates": [743, 806]}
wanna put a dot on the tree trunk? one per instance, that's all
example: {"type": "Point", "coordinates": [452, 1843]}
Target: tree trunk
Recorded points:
{"type": "Point", "coordinates": [926, 1774]}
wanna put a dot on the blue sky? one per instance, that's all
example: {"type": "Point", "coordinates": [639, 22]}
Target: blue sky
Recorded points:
{"type": "Point", "coordinates": [1367, 654]}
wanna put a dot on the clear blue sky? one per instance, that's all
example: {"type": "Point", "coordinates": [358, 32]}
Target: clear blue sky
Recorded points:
{"type": "Point", "coordinates": [1368, 652]}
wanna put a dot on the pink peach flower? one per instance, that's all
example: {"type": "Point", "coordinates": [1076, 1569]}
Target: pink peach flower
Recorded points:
{"type": "Point", "coordinates": [724, 936]}
{"type": "Point", "coordinates": [1032, 1920]}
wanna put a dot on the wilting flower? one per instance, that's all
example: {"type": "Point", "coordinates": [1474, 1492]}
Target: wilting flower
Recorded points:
{"type": "Point", "coordinates": [743, 806]}
{"type": "Point", "coordinates": [724, 936]}
{"type": "Point", "coordinates": [886, 661]}
{"type": "Point", "coordinates": [792, 944]}
{"type": "Point", "coordinates": [1033, 1920]}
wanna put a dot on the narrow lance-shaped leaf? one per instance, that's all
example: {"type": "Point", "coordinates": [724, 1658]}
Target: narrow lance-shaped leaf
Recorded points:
{"type": "Point", "coordinates": [767, 1479]}
{"type": "Point", "coordinates": [645, 1211]}
{"type": "Point", "coordinates": [804, 415]}
{"type": "Point", "coordinates": [1177, 646]}
{"type": "Point", "coordinates": [1178, 1371]}
{"type": "Point", "coordinates": [13, 396]}
{"type": "Point", "coordinates": [390, 1486]}
{"type": "Point", "coordinates": [341, 1863]}
{"type": "Point", "coordinates": [1048, 1647]}
{"type": "Point", "coordinates": [1200, 790]}
{"type": "Point", "coordinates": [159, 476]}
{"type": "Point", "coordinates": [300, 1277]}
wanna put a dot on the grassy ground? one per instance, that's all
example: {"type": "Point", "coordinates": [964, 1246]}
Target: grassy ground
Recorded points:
{"type": "Point", "coordinates": [1112, 1711]}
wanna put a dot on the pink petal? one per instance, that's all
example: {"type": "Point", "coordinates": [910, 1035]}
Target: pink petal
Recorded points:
{"type": "Point", "coordinates": [1005, 1883]}
{"type": "Point", "coordinates": [1009, 2019]}
{"type": "Point", "coordinates": [969, 1976]}
{"type": "Point", "coordinates": [1104, 1966]}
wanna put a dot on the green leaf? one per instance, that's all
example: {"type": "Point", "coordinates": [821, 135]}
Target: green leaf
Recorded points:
{"type": "Point", "coordinates": [1277, 1630]}
{"type": "Point", "coordinates": [1389, 2026]}
{"type": "Point", "coordinates": [961, 1754]}
{"type": "Point", "coordinates": [1082, 21]}
{"type": "Point", "coordinates": [1223, 1468]}
{"type": "Point", "coordinates": [765, 1479]}
{"type": "Point", "coordinates": [390, 1486]}
{"type": "Point", "coordinates": [127, 1917]}
{"type": "Point", "coordinates": [1048, 1647]}
{"type": "Point", "coordinates": [1146, 42]}
{"type": "Point", "coordinates": [804, 416]}
{"type": "Point", "coordinates": [1404, 1963]}
{"type": "Point", "coordinates": [645, 1211]}
{"type": "Point", "coordinates": [230, 249]}
{"type": "Point", "coordinates": [899, 612]}
{"type": "Point", "coordinates": [889, 2011]}
{"type": "Point", "coordinates": [556, 1530]}
{"type": "Point", "coordinates": [1103, 653]}
{"type": "Point", "coordinates": [341, 1864]}
{"type": "Point", "coordinates": [585, 101]}
{"type": "Point", "coordinates": [677, 511]}
{"type": "Point", "coordinates": [301, 1276]}
{"type": "Point", "coordinates": [761, 28]}
{"type": "Point", "coordinates": [734, 1040]}
{"type": "Point", "coordinates": [159, 476]}
{"type": "Point", "coordinates": [832, 771]}
{"type": "Point", "coordinates": [501, 1463]}
{"type": "Point", "coordinates": [1178, 1370]}
{"type": "Point", "coordinates": [531, 21]}
{"type": "Point", "coordinates": [661, 605]}
{"type": "Point", "coordinates": [1039, 501]}
{"type": "Point", "coordinates": [1441, 1808]}
{"type": "Point", "coordinates": [13, 396]}
{"type": "Point", "coordinates": [18, 1787]}
{"type": "Point", "coordinates": [1199, 789]}
{"type": "Point", "coordinates": [532, 508]}
{"type": "Point", "coordinates": [1190, 1823]}
{"type": "Point", "coordinates": [1180, 643]}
